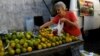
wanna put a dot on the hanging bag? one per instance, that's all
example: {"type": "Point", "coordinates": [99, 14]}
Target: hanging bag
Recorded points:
{"type": "Point", "coordinates": [58, 29]}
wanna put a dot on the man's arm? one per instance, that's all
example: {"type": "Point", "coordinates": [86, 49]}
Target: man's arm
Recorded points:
{"type": "Point", "coordinates": [46, 24]}
{"type": "Point", "coordinates": [72, 24]}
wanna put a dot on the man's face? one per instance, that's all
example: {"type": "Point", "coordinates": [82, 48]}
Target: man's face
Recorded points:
{"type": "Point", "coordinates": [60, 11]}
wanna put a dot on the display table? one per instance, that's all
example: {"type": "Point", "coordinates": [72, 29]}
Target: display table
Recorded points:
{"type": "Point", "coordinates": [73, 45]}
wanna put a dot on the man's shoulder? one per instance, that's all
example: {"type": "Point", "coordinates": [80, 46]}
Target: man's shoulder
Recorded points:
{"type": "Point", "coordinates": [57, 16]}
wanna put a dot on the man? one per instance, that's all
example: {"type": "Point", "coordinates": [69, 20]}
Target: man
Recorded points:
{"type": "Point", "coordinates": [66, 17]}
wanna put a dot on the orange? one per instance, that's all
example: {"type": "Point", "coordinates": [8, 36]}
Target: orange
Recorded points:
{"type": "Point", "coordinates": [60, 42]}
{"type": "Point", "coordinates": [25, 45]}
{"type": "Point", "coordinates": [29, 49]}
{"type": "Point", "coordinates": [68, 39]}
{"type": "Point", "coordinates": [49, 44]}
{"type": "Point", "coordinates": [18, 51]}
{"type": "Point", "coordinates": [24, 50]}
{"type": "Point", "coordinates": [22, 41]}
{"type": "Point", "coordinates": [28, 36]}
{"type": "Point", "coordinates": [57, 43]}
{"type": "Point", "coordinates": [39, 46]}
{"type": "Point", "coordinates": [12, 44]}
{"type": "Point", "coordinates": [44, 45]}
{"type": "Point", "coordinates": [43, 39]}
{"type": "Point", "coordinates": [50, 35]}
{"type": "Point", "coordinates": [53, 44]}
{"type": "Point", "coordinates": [11, 52]}
{"type": "Point", "coordinates": [42, 34]}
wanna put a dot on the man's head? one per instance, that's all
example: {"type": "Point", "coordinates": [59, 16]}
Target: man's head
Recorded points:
{"type": "Point", "coordinates": [60, 8]}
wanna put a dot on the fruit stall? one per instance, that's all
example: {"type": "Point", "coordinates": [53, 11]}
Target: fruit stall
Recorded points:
{"type": "Point", "coordinates": [44, 43]}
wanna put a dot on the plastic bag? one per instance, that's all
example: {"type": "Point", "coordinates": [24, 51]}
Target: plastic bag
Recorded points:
{"type": "Point", "coordinates": [58, 29]}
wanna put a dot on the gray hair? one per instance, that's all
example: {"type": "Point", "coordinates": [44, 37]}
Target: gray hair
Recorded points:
{"type": "Point", "coordinates": [60, 4]}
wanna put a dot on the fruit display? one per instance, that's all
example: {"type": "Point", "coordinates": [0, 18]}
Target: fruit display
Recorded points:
{"type": "Point", "coordinates": [19, 42]}
{"type": "Point", "coordinates": [22, 42]}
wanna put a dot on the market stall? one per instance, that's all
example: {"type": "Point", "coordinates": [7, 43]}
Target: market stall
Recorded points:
{"type": "Point", "coordinates": [42, 44]}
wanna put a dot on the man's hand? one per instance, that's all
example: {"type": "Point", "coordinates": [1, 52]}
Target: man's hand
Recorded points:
{"type": "Point", "coordinates": [63, 20]}
{"type": "Point", "coordinates": [41, 27]}
{"type": "Point", "coordinates": [46, 24]}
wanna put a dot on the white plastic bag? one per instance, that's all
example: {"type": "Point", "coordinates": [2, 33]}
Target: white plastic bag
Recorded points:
{"type": "Point", "coordinates": [59, 28]}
